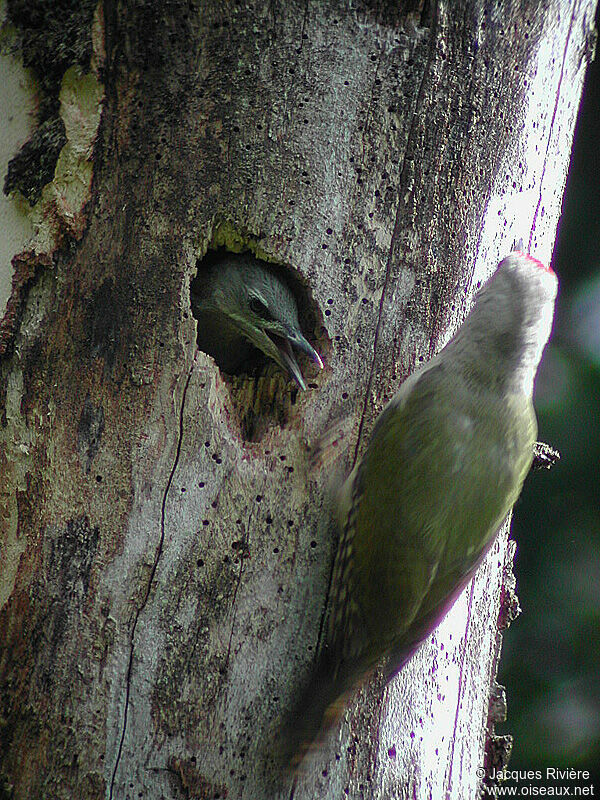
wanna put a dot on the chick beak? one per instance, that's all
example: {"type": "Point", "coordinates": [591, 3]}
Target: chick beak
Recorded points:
{"type": "Point", "coordinates": [287, 355]}
{"type": "Point", "coordinates": [288, 358]}
{"type": "Point", "coordinates": [301, 343]}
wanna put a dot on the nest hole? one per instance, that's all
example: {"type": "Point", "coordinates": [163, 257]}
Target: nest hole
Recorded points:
{"type": "Point", "coordinates": [226, 295]}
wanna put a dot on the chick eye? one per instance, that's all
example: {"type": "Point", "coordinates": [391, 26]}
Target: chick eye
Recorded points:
{"type": "Point", "coordinates": [259, 308]}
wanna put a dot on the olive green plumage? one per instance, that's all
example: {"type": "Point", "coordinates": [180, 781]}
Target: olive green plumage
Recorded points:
{"type": "Point", "coordinates": [243, 306]}
{"type": "Point", "coordinates": [445, 463]}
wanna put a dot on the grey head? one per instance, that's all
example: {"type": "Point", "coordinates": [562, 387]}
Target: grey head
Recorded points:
{"type": "Point", "coordinates": [250, 303]}
{"type": "Point", "coordinates": [507, 329]}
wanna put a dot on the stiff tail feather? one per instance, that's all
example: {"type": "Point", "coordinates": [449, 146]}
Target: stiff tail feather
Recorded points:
{"type": "Point", "coordinates": [319, 707]}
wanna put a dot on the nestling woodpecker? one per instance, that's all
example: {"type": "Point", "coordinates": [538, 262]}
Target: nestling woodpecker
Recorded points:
{"type": "Point", "coordinates": [242, 306]}
{"type": "Point", "coordinates": [445, 463]}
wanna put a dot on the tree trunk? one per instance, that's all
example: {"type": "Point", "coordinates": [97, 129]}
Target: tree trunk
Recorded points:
{"type": "Point", "coordinates": [165, 557]}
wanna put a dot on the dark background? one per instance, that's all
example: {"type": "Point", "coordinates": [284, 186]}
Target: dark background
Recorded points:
{"type": "Point", "coordinates": [551, 653]}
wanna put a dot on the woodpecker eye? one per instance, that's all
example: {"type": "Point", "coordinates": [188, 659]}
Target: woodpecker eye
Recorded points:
{"type": "Point", "coordinates": [259, 308]}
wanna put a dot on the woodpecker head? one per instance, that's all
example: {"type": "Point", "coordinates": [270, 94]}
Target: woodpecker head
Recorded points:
{"type": "Point", "coordinates": [524, 291]}
{"type": "Point", "coordinates": [510, 322]}
{"type": "Point", "coordinates": [263, 308]}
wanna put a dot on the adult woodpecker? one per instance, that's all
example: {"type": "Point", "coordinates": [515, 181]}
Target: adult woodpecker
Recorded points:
{"type": "Point", "coordinates": [445, 463]}
{"type": "Point", "coordinates": [242, 306]}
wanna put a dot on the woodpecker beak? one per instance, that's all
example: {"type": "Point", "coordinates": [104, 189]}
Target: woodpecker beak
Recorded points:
{"type": "Point", "coordinates": [278, 344]}
{"type": "Point", "coordinates": [287, 358]}
{"type": "Point", "coordinates": [289, 362]}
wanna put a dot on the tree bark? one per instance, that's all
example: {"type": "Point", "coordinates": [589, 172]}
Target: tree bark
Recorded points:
{"type": "Point", "coordinates": [165, 553]}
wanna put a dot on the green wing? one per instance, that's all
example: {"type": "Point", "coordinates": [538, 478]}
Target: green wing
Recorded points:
{"type": "Point", "coordinates": [435, 483]}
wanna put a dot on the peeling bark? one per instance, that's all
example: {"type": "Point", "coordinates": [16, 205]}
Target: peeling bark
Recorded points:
{"type": "Point", "coordinates": [163, 573]}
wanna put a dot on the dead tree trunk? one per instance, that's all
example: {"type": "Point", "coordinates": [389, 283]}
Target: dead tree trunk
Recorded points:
{"type": "Point", "coordinates": [164, 564]}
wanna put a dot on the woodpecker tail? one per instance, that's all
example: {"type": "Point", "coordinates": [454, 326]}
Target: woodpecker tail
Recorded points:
{"type": "Point", "coordinates": [319, 707]}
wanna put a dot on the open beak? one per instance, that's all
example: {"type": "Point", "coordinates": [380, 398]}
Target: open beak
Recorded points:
{"type": "Point", "coordinates": [284, 346]}
{"type": "Point", "coordinates": [307, 348]}
{"type": "Point", "coordinates": [278, 346]}
{"type": "Point", "coordinates": [290, 363]}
